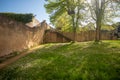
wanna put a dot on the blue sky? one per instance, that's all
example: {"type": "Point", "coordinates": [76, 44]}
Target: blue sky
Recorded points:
{"type": "Point", "coordinates": [25, 6]}
{"type": "Point", "coordinates": [28, 6]}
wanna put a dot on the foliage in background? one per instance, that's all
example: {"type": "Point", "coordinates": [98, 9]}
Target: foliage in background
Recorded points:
{"type": "Point", "coordinates": [66, 14]}
{"type": "Point", "coordinates": [64, 11]}
{"type": "Point", "coordinates": [99, 12]}
{"type": "Point", "coordinates": [102, 11]}
{"type": "Point", "coordinates": [58, 14]}
{"type": "Point", "coordinates": [115, 25]}
{"type": "Point", "coordinates": [25, 18]}
{"type": "Point", "coordinates": [55, 8]}
{"type": "Point", "coordinates": [63, 23]}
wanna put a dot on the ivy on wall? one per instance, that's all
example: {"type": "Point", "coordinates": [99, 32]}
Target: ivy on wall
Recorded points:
{"type": "Point", "coordinates": [25, 18]}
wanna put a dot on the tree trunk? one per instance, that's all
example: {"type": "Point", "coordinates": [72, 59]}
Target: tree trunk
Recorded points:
{"type": "Point", "coordinates": [77, 20]}
{"type": "Point", "coordinates": [74, 29]}
{"type": "Point", "coordinates": [98, 31]}
{"type": "Point", "coordinates": [74, 35]}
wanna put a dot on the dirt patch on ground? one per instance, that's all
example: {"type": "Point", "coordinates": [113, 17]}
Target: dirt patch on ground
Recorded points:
{"type": "Point", "coordinates": [13, 59]}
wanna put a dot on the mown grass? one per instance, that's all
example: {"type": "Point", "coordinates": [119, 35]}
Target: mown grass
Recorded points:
{"type": "Point", "coordinates": [68, 61]}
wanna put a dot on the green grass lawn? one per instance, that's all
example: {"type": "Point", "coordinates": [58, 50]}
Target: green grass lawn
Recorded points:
{"type": "Point", "coordinates": [68, 61]}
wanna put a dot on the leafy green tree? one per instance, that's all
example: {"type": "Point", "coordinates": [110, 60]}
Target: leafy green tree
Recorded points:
{"type": "Point", "coordinates": [69, 10]}
{"type": "Point", "coordinates": [63, 23]}
{"type": "Point", "coordinates": [102, 11]}
{"type": "Point", "coordinates": [115, 25]}
{"type": "Point", "coordinates": [55, 8]}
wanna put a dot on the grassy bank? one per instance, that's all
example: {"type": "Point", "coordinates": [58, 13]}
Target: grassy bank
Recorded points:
{"type": "Point", "coordinates": [68, 61]}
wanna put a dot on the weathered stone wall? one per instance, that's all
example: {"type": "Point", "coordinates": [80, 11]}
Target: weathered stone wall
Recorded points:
{"type": "Point", "coordinates": [16, 36]}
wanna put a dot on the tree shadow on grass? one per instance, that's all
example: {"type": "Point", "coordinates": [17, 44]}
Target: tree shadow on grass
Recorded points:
{"type": "Point", "coordinates": [49, 64]}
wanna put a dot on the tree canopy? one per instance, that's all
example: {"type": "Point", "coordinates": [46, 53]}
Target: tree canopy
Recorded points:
{"type": "Point", "coordinates": [73, 13]}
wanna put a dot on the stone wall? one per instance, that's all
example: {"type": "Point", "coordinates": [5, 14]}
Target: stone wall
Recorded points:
{"type": "Point", "coordinates": [16, 36]}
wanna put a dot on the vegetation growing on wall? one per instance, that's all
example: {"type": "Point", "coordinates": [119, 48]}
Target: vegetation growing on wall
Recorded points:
{"type": "Point", "coordinates": [25, 18]}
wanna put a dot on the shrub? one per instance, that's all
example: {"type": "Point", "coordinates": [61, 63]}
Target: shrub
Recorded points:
{"type": "Point", "coordinates": [25, 18]}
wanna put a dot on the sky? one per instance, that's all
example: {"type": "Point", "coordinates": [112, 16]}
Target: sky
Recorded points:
{"type": "Point", "coordinates": [25, 6]}
{"type": "Point", "coordinates": [28, 6]}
